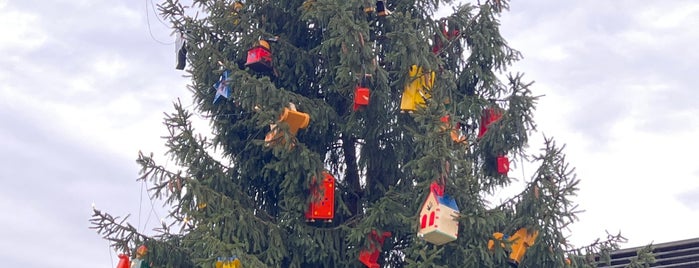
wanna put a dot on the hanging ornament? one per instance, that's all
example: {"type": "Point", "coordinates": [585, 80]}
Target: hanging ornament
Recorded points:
{"type": "Point", "coordinates": [503, 164]}
{"type": "Point", "coordinates": [361, 93]}
{"type": "Point", "coordinates": [260, 56]}
{"type": "Point", "coordinates": [381, 8]}
{"type": "Point", "coordinates": [123, 261]}
{"type": "Point", "coordinates": [368, 7]}
{"type": "Point", "coordinates": [361, 97]}
{"type": "Point", "coordinates": [294, 119]}
{"type": "Point", "coordinates": [232, 262]}
{"type": "Point", "coordinates": [181, 48]}
{"type": "Point", "coordinates": [237, 6]}
{"type": "Point", "coordinates": [438, 217]}
{"type": "Point", "coordinates": [417, 90]}
{"type": "Point", "coordinates": [489, 116]}
{"type": "Point", "coordinates": [139, 261]}
{"type": "Point", "coordinates": [306, 5]}
{"type": "Point", "coordinates": [521, 241]}
{"type": "Point", "coordinates": [371, 256]}
{"type": "Point", "coordinates": [322, 204]}
{"type": "Point", "coordinates": [455, 132]}
{"type": "Point", "coordinates": [444, 33]}
{"type": "Point", "coordinates": [223, 88]}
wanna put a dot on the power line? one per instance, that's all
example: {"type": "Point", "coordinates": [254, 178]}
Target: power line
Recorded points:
{"type": "Point", "coordinates": [150, 31]}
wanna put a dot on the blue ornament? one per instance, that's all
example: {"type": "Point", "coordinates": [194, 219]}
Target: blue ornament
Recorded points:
{"type": "Point", "coordinates": [223, 88]}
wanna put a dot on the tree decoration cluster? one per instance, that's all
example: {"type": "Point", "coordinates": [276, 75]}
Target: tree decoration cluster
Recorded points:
{"type": "Point", "coordinates": [351, 133]}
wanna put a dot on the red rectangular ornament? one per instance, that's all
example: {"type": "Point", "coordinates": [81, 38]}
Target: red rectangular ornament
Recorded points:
{"type": "Point", "coordinates": [322, 205]}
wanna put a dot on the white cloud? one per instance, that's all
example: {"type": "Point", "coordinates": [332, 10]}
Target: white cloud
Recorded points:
{"type": "Point", "coordinates": [20, 31]}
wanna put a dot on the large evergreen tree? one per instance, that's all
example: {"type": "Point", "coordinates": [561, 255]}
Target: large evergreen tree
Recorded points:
{"type": "Point", "coordinates": [252, 203]}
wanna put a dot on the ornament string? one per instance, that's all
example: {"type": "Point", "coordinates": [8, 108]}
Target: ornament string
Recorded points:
{"type": "Point", "coordinates": [150, 31]}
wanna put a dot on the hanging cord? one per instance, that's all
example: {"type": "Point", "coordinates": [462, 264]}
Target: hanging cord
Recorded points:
{"type": "Point", "coordinates": [140, 204]}
{"type": "Point", "coordinates": [156, 14]}
{"type": "Point", "coordinates": [150, 31]}
{"type": "Point", "coordinates": [111, 256]}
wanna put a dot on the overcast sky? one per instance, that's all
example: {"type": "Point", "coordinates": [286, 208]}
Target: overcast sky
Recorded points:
{"type": "Point", "coordinates": [83, 88]}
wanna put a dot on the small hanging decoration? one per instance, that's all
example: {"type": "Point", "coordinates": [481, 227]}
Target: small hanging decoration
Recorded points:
{"type": "Point", "coordinates": [322, 205]}
{"type": "Point", "coordinates": [260, 56]}
{"type": "Point", "coordinates": [361, 96]}
{"type": "Point", "coordinates": [123, 261]}
{"type": "Point", "coordinates": [181, 47]}
{"type": "Point", "coordinates": [448, 34]}
{"type": "Point", "coordinates": [368, 7]}
{"type": "Point", "coordinates": [307, 4]}
{"type": "Point", "coordinates": [417, 90]}
{"type": "Point", "coordinates": [381, 8]}
{"type": "Point", "coordinates": [138, 262]}
{"type": "Point", "coordinates": [232, 262]}
{"type": "Point", "coordinates": [371, 256]}
{"type": "Point", "coordinates": [503, 164]}
{"type": "Point", "coordinates": [455, 132]}
{"type": "Point", "coordinates": [521, 241]}
{"type": "Point", "coordinates": [295, 119]}
{"type": "Point", "coordinates": [489, 116]}
{"type": "Point", "coordinates": [223, 88]}
{"type": "Point", "coordinates": [438, 217]}
{"type": "Point", "coordinates": [237, 6]}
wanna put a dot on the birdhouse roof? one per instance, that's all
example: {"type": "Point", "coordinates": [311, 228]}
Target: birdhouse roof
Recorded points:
{"type": "Point", "coordinates": [442, 199]}
{"type": "Point", "coordinates": [447, 201]}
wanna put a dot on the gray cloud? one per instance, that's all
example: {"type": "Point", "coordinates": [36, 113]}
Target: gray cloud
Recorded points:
{"type": "Point", "coordinates": [49, 182]}
{"type": "Point", "coordinates": [613, 61]}
{"type": "Point", "coordinates": [50, 177]}
{"type": "Point", "coordinates": [690, 198]}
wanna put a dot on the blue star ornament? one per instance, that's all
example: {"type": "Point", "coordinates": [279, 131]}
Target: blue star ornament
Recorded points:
{"type": "Point", "coordinates": [223, 88]}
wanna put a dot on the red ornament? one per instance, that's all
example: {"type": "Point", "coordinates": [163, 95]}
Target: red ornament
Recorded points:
{"type": "Point", "coordinates": [123, 261]}
{"type": "Point", "coordinates": [449, 35]}
{"type": "Point", "coordinates": [369, 257]}
{"type": "Point", "coordinates": [260, 57]}
{"type": "Point", "coordinates": [503, 165]}
{"type": "Point", "coordinates": [322, 205]}
{"type": "Point", "coordinates": [489, 116]}
{"type": "Point", "coordinates": [361, 97]}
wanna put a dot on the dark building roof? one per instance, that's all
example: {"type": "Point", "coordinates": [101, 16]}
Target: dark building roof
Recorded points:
{"type": "Point", "coordinates": [677, 254]}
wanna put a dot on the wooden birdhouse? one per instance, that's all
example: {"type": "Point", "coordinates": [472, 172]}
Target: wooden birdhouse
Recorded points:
{"type": "Point", "coordinates": [455, 132]}
{"type": "Point", "coordinates": [445, 33]}
{"type": "Point", "coordinates": [371, 256]}
{"type": "Point", "coordinates": [417, 90]}
{"type": "Point", "coordinates": [381, 8]}
{"type": "Point", "coordinates": [489, 116]}
{"type": "Point", "coordinates": [294, 119]}
{"type": "Point", "coordinates": [139, 261]}
{"type": "Point", "coordinates": [260, 57]}
{"type": "Point", "coordinates": [503, 164]}
{"type": "Point", "coordinates": [123, 261]}
{"type": "Point", "coordinates": [521, 241]}
{"type": "Point", "coordinates": [438, 223]}
{"type": "Point", "coordinates": [361, 97]}
{"type": "Point", "coordinates": [322, 204]}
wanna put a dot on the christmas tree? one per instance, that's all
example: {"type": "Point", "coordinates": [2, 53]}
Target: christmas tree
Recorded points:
{"type": "Point", "coordinates": [340, 128]}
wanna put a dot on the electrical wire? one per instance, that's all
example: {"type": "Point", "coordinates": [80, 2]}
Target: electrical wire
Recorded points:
{"type": "Point", "coordinates": [140, 204]}
{"type": "Point", "coordinates": [150, 31]}
{"type": "Point", "coordinates": [111, 256]}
